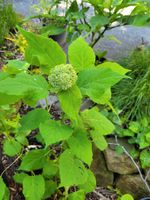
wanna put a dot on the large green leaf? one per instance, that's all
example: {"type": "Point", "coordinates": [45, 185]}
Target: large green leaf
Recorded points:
{"type": "Point", "coordinates": [50, 188]}
{"type": "Point", "coordinates": [53, 132]}
{"type": "Point", "coordinates": [98, 21]}
{"type": "Point", "coordinates": [72, 170]}
{"type": "Point", "coordinates": [19, 177]}
{"type": "Point", "coordinates": [90, 184]}
{"type": "Point", "coordinates": [33, 187]}
{"type": "Point", "coordinates": [33, 119]}
{"type": "Point", "coordinates": [81, 56]}
{"type": "Point", "coordinates": [70, 101]}
{"type": "Point", "coordinates": [95, 120]}
{"type": "Point", "coordinates": [3, 75]}
{"type": "Point", "coordinates": [42, 51]}
{"type": "Point", "coordinates": [99, 140]}
{"type": "Point", "coordinates": [79, 195]}
{"type": "Point", "coordinates": [145, 158]}
{"type": "Point", "coordinates": [16, 66]}
{"type": "Point", "coordinates": [81, 146]}
{"type": "Point", "coordinates": [95, 82]}
{"type": "Point", "coordinates": [30, 88]}
{"type": "Point", "coordinates": [2, 188]}
{"type": "Point", "coordinates": [11, 147]}
{"type": "Point", "coordinates": [8, 99]}
{"type": "Point", "coordinates": [114, 67]}
{"type": "Point", "coordinates": [50, 169]}
{"type": "Point", "coordinates": [33, 160]}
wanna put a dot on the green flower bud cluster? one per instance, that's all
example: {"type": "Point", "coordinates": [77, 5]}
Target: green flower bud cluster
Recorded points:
{"type": "Point", "coordinates": [62, 77]}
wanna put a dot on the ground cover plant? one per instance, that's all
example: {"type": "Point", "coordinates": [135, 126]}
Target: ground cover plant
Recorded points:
{"type": "Point", "coordinates": [58, 165]}
{"type": "Point", "coordinates": [8, 19]}
{"type": "Point", "coordinates": [135, 103]}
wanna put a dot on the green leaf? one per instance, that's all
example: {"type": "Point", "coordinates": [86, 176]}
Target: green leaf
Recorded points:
{"type": "Point", "coordinates": [16, 66]}
{"type": "Point", "coordinates": [33, 187]}
{"type": "Point", "coordinates": [53, 132]}
{"type": "Point", "coordinates": [2, 188]}
{"type": "Point", "coordinates": [70, 101]}
{"type": "Point", "coordinates": [33, 160]}
{"type": "Point", "coordinates": [29, 87]}
{"type": "Point", "coordinates": [50, 188]}
{"type": "Point", "coordinates": [42, 51]}
{"type": "Point", "coordinates": [94, 82]}
{"type": "Point", "coordinates": [11, 147]}
{"type": "Point", "coordinates": [134, 126]}
{"type": "Point", "coordinates": [81, 56]}
{"type": "Point", "coordinates": [147, 136]}
{"type": "Point", "coordinates": [81, 147]}
{"type": "Point", "coordinates": [141, 20]}
{"type": "Point", "coordinates": [95, 120]}
{"type": "Point", "coordinates": [79, 195]}
{"type": "Point", "coordinates": [98, 21]}
{"type": "Point", "coordinates": [19, 177]}
{"type": "Point", "coordinates": [114, 67]}
{"type": "Point", "coordinates": [145, 158]}
{"type": "Point", "coordinates": [90, 184]}
{"type": "Point", "coordinates": [8, 99]}
{"type": "Point", "coordinates": [127, 197]}
{"type": "Point", "coordinates": [3, 75]}
{"type": "Point", "coordinates": [50, 169]}
{"type": "Point", "coordinates": [95, 2]}
{"type": "Point", "coordinates": [51, 30]}
{"type": "Point", "coordinates": [72, 170]}
{"type": "Point", "coordinates": [99, 140]}
{"type": "Point", "coordinates": [34, 118]}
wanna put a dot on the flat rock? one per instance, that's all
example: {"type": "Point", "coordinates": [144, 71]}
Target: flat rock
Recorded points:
{"type": "Point", "coordinates": [133, 185]}
{"type": "Point", "coordinates": [103, 176]}
{"type": "Point", "coordinates": [119, 163]}
{"type": "Point", "coordinates": [130, 37]}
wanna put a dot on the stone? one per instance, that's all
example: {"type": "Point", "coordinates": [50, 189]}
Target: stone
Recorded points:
{"type": "Point", "coordinates": [133, 185]}
{"type": "Point", "coordinates": [147, 174]}
{"type": "Point", "coordinates": [99, 168]}
{"type": "Point", "coordinates": [130, 37]}
{"type": "Point", "coordinates": [119, 163]}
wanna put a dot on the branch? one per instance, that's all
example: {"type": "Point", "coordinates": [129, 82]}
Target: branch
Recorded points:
{"type": "Point", "coordinates": [11, 165]}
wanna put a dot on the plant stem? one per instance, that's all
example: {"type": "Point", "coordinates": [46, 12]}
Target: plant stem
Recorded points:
{"type": "Point", "coordinates": [11, 164]}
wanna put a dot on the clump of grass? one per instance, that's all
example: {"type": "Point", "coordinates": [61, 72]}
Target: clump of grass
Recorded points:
{"type": "Point", "coordinates": [132, 96]}
{"type": "Point", "coordinates": [8, 19]}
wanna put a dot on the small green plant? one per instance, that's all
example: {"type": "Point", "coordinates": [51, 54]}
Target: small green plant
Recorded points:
{"type": "Point", "coordinates": [8, 19]}
{"type": "Point", "coordinates": [61, 162]}
{"type": "Point", "coordinates": [104, 15]}
{"type": "Point", "coordinates": [127, 197]}
{"type": "Point", "coordinates": [134, 102]}
{"type": "Point", "coordinates": [138, 132]}
{"type": "Point", "coordinates": [77, 20]}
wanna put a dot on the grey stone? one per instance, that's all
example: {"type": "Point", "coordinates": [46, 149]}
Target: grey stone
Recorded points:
{"type": "Point", "coordinates": [119, 163]}
{"type": "Point", "coordinates": [133, 185]}
{"type": "Point", "coordinates": [99, 168]}
{"type": "Point", "coordinates": [130, 38]}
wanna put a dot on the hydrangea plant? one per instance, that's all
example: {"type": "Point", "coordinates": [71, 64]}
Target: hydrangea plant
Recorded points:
{"type": "Point", "coordinates": [44, 172]}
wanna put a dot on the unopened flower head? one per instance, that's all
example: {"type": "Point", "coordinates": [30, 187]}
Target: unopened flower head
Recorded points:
{"type": "Point", "coordinates": [62, 77]}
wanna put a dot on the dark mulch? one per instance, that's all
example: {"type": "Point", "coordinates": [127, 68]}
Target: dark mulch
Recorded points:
{"type": "Point", "coordinates": [8, 51]}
